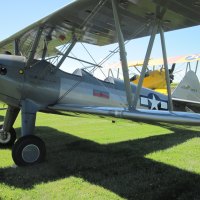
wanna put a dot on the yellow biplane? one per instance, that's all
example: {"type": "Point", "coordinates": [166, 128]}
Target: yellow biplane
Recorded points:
{"type": "Point", "coordinates": [155, 79]}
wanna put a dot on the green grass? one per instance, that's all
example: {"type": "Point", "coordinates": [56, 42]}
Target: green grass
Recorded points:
{"type": "Point", "coordinates": [90, 157]}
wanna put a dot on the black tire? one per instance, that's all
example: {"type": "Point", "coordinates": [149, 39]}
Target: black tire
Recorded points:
{"type": "Point", "coordinates": [28, 150]}
{"type": "Point", "coordinates": [10, 138]}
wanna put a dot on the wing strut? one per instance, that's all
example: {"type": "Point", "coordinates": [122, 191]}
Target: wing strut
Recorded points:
{"type": "Point", "coordinates": [83, 29]}
{"type": "Point", "coordinates": [74, 40]}
{"type": "Point", "coordinates": [146, 60]}
{"type": "Point", "coordinates": [34, 47]}
{"type": "Point", "coordinates": [157, 27]}
{"type": "Point", "coordinates": [162, 39]}
{"type": "Point", "coordinates": [122, 55]}
{"type": "Point", "coordinates": [16, 47]}
{"type": "Point", "coordinates": [196, 68]}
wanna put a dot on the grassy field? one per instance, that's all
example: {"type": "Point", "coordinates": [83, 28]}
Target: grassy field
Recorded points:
{"type": "Point", "coordinates": [90, 157]}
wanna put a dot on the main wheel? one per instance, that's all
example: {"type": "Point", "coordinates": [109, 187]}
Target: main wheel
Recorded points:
{"type": "Point", "coordinates": [7, 139]}
{"type": "Point", "coordinates": [28, 150]}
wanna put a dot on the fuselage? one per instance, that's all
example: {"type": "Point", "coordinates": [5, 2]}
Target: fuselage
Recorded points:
{"type": "Point", "coordinates": [46, 85]}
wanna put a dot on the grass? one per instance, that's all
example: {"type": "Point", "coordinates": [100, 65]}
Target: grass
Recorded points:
{"type": "Point", "coordinates": [90, 157]}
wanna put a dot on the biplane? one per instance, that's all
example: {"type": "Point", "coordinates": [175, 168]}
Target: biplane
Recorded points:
{"type": "Point", "coordinates": [31, 79]}
{"type": "Point", "coordinates": [155, 77]}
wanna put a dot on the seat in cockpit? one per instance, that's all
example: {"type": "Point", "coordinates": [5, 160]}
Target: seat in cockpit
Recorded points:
{"type": "Point", "coordinates": [109, 80]}
{"type": "Point", "coordinates": [78, 72]}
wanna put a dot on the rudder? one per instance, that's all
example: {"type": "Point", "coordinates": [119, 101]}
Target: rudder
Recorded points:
{"type": "Point", "coordinates": [188, 89]}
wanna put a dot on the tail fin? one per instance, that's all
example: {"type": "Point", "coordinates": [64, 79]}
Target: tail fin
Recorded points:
{"type": "Point", "coordinates": [188, 89]}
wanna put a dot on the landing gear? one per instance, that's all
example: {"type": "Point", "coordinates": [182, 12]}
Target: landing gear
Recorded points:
{"type": "Point", "coordinates": [7, 138]}
{"type": "Point", "coordinates": [28, 150]}
{"type": "Point", "coordinates": [7, 132]}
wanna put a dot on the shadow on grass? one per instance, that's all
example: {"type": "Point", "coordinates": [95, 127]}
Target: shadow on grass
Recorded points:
{"type": "Point", "coordinates": [1, 118]}
{"type": "Point", "coordinates": [120, 167]}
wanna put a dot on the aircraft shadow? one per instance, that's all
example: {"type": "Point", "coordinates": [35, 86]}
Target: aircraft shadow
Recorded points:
{"type": "Point", "coordinates": [119, 167]}
{"type": "Point", "coordinates": [1, 118]}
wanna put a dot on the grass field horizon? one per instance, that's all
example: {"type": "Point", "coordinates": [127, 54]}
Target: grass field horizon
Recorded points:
{"type": "Point", "coordinates": [90, 157]}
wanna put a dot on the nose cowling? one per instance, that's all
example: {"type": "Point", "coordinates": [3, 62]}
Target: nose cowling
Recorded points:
{"type": "Point", "coordinates": [12, 60]}
{"type": "Point", "coordinates": [11, 81]}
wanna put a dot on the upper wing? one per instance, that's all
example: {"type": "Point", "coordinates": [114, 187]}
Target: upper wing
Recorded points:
{"type": "Point", "coordinates": [171, 60]}
{"type": "Point", "coordinates": [100, 30]}
{"type": "Point", "coordinates": [159, 61]}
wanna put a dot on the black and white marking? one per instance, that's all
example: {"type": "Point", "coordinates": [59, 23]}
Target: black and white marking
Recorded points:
{"type": "Point", "coordinates": [153, 102]}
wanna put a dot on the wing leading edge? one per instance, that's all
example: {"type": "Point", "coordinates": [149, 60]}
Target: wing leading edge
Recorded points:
{"type": "Point", "coordinates": [61, 25]}
{"type": "Point", "coordinates": [136, 115]}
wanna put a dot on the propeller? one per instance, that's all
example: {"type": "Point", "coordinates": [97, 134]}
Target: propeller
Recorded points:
{"type": "Point", "coordinates": [171, 71]}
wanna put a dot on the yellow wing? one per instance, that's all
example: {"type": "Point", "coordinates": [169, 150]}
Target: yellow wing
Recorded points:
{"type": "Point", "coordinates": [171, 60]}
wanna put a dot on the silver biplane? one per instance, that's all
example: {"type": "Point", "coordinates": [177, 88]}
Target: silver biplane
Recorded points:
{"type": "Point", "coordinates": [31, 81]}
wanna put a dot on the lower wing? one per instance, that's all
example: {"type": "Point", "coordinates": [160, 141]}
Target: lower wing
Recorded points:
{"type": "Point", "coordinates": [136, 115]}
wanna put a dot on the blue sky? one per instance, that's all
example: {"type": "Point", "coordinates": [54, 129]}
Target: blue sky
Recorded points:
{"type": "Point", "coordinates": [16, 16]}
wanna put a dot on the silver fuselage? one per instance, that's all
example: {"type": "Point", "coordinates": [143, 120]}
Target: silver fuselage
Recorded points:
{"type": "Point", "coordinates": [45, 85]}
